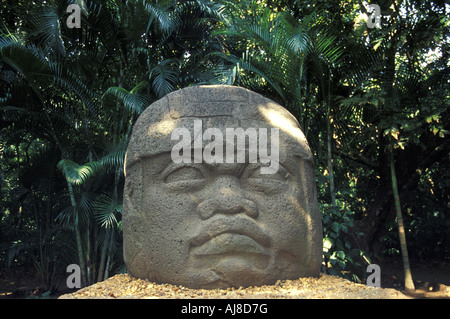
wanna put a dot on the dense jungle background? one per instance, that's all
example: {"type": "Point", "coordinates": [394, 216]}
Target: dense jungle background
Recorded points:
{"type": "Point", "coordinates": [372, 100]}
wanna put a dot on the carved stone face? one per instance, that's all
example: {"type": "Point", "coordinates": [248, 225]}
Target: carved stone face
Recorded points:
{"type": "Point", "coordinates": [219, 224]}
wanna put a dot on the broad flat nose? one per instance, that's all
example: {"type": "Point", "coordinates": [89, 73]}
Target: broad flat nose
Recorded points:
{"type": "Point", "coordinates": [226, 198]}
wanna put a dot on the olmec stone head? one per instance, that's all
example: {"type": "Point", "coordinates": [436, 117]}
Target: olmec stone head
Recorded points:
{"type": "Point", "coordinates": [220, 192]}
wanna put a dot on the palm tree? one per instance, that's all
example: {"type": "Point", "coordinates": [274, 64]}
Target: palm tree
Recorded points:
{"type": "Point", "coordinates": [79, 91]}
{"type": "Point", "coordinates": [398, 105]}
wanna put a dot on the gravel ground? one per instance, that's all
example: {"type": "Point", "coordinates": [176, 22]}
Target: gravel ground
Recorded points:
{"type": "Point", "coordinates": [124, 286]}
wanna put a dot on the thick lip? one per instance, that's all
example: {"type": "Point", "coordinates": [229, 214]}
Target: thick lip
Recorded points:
{"type": "Point", "coordinates": [232, 225]}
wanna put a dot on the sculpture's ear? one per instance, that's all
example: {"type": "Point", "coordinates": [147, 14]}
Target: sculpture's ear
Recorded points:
{"type": "Point", "coordinates": [315, 228]}
{"type": "Point", "coordinates": [132, 251]}
{"type": "Point", "coordinates": [132, 212]}
{"type": "Point", "coordinates": [132, 195]}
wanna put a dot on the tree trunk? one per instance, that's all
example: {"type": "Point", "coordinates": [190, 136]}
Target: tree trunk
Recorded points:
{"type": "Point", "coordinates": [108, 262]}
{"type": "Point", "coordinates": [409, 284]}
{"type": "Point", "coordinates": [89, 274]}
{"type": "Point", "coordinates": [104, 252]}
{"type": "Point", "coordinates": [330, 155]}
{"type": "Point", "coordinates": [78, 237]}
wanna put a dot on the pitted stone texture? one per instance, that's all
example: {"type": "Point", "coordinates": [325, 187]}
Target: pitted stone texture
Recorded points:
{"type": "Point", "coordinates": [218, 225]}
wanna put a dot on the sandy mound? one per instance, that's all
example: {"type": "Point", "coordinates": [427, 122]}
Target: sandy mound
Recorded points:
{"type": "Point", "coordinates": [324, 287]}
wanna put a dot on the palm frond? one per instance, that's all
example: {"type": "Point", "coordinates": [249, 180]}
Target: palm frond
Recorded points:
{"type": "Point", "coordinates": [161, 17]}
{"type": "Point", "coordinates": [32, 66]}
{"type": "Point", "coordinates": [115, 158]}
{"type": "Point", "coordinates": [66, 217]}
{"type": "Point", "coordinates": [225, 73]}
{"type": "Point", "coordinates": [133, 100]}
{"type": "Point", "coordinates": [85, 207]}
{"type": "Point", "coordinates": [105, 210]}
{"type": "Point", "coordinates": [71, 217]}
{"type": "Point", "coordinates": [256, 64]}
{"type": "Point", "coordinates": [77, 174]}
{"type": "Point", "coordinates": [164, 77]}
{"type": "Point", "coordinates": [47, 30]}
{"type": "Point", "coordinates": [70, 82]}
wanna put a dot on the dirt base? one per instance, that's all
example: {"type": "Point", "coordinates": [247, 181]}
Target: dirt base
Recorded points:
{"type": "Point", "coordinates": [324, 287]}
{"type": "Point", "coordinates": [431, 279]}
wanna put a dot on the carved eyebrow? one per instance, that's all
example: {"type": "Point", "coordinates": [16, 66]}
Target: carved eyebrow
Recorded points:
{"type": "Point", "coordinates": [155, 164]}
{"type": "Point", "coordinates": [288, 163]}
{"type": "Point", "coordinates": [205, 168]}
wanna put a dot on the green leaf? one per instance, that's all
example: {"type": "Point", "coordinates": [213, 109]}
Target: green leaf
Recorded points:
{"type": "Point", "coordinates": [164, 76]}
{"type": "Point", "coordinates": [105, 210]}
{"type": "Point", "coordinates": [340, 254]}
{"type": "Point", "coordinates": [77, 174]}
{"type": "Point", "coordinates": [335, 227]}
{"type": "Point", "coordinates": [327, 243]}
{"type": "Point", "coordinates": [133, 100]}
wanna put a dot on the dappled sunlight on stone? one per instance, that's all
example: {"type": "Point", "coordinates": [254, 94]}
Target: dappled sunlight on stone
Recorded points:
{"type": "Point", "coordinates": [280, 120]}
{"type": "Point", "coordinates": [163, 127]}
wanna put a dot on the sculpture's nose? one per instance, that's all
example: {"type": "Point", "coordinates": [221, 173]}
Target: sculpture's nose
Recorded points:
{"type": "Point", "coordinates": [227, 199]}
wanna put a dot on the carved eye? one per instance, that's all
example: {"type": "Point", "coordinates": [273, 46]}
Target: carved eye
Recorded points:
{"type": "Point", "coordinates": [255, 172]}
{"type": "Point", "coordinates": [185, 173]}
{"type": "Point", "coordinates": [269, 184]}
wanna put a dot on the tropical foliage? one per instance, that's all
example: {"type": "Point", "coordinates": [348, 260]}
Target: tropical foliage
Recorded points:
{"type": "Point", "coordinates": [373, 104]}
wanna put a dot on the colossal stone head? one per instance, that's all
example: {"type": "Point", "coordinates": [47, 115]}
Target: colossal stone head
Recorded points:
{"type": "Point", "coordinates": [220, 192]}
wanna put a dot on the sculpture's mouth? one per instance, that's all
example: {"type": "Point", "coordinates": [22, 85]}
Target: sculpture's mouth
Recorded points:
{"type": "Point", "coordinates": [230, 235]}
{"type": "Point", "coordinates": [230, 242]}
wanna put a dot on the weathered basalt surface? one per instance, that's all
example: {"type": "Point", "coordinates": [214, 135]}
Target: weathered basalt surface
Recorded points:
{"type": "Point", "coordinates": [197, 213]}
